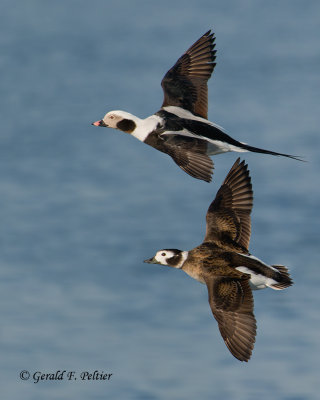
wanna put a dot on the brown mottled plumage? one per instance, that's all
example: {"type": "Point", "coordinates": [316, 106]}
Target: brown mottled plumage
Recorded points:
{"type": "Point", "coordinates": [224, 264]}
{"type": "Point", "coordinates": [228, 217]}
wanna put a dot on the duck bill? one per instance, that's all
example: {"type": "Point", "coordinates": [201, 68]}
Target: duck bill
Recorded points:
{"type": "Point", "coordinates": [151, 261]}
{"type": "Point", "coordinates": [99, 123]}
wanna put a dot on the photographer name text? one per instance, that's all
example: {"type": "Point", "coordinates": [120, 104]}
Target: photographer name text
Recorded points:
{"type": "Point", "coordinates": [65, 375]}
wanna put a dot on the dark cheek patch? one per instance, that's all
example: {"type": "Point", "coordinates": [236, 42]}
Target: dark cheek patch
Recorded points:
{"type": "Point", "coordinates": [175, 260]}
{"type": "Point", "coordinates": [126, 125]}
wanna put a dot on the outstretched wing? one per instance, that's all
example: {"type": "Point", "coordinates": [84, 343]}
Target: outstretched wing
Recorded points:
{"type": "Point", "coordinates": [228, 217]}
{"type": "Point", "coordinates": [185, 84]}
{"type": "Point", "coordinates": [231, 303]}
{"type": "Point", "coordinates": [190, 155]}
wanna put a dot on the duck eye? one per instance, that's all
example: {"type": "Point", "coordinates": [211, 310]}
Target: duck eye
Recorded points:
{"type": "Point", "coordinates": [111, 116]}
{"type": "Point", "coordinates": [163, 254]}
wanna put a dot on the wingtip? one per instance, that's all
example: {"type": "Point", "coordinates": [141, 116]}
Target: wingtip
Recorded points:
{"type": "Point", "coordinates": [209, 32]}
{"type": "Point", "coordinates": [238, 164]}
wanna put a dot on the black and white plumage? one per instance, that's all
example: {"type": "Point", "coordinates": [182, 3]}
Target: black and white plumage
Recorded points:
{"type": "Point", "coordinates": [181, 128]}
{"type": "Point", "coordinates": [224, 264]}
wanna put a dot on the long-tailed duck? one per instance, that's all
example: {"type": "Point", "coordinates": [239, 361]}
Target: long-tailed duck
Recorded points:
{"type": "Point", "coordinates": [224, 264]}
{"type": "Point", "coordinates": [181, 128]}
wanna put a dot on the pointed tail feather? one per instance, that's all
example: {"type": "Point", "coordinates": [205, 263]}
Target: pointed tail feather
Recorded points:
{"type": "Point", "coordinates": [258, 150]}
{"type": "Point", "coordinates": [285, 280]}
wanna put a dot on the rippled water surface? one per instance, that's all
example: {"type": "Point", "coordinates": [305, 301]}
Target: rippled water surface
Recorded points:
{"type": "Point", "coordinates": [81, 207]}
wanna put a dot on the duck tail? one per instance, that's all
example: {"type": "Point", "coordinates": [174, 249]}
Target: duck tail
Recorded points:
{"type": "Point", "coordinates": [263, 151]}
{"type": "Point", "coordinates": [284, 280]}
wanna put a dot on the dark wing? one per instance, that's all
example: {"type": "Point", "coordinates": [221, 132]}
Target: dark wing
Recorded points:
{"type": "Point", "coordinates": [185, 84]}
{"type": "Point", "coordinates": [190, 155]}
{"type": "Point", "coordinates": [228, 217]}
{"type": "Point", "coordinates": [231, 303]}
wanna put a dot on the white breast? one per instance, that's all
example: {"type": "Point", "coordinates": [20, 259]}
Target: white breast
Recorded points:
{"type": "Point", "coordinates": [146, 126]}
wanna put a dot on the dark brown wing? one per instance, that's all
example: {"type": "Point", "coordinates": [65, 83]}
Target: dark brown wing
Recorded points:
{"type": "Point", "coordinates": [198, 165]}
{"type": "Point", "coordinates": [190, 155]}
{"type": "Point", "coordinates": [228, 217]}
{"type": "Point", "coordinates": [185, 84]}
{"type": "Point", "coordinates": [231, 303]}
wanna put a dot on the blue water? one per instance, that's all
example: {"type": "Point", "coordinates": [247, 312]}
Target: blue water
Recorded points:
{"type": "Point", "coordinates": [81, 207]}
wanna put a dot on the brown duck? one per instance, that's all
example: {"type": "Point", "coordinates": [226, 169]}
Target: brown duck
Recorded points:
{"type": "Point", "coordinates": [224, 264]}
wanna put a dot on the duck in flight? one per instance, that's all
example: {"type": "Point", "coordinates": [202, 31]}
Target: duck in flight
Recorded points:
{"type": "Point", "coordinates": [181, 128]}
{"type": "Point", "coordinates": [224, 264]}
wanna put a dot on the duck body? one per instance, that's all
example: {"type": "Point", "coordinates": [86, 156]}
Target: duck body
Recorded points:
{"type": "Point", "coordinates": [181, 127]}
{"type": "Point", "coordinates": [224, 264]}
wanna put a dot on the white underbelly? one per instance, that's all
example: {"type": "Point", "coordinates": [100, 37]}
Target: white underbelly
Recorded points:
{"type": "Point", "coordinates": [257, 281]}
{"type": "Point", "coordinates": [218, 147]}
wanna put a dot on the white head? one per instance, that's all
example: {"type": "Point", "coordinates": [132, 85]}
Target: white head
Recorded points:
{"type": "Point", "coordinates": [118, 119]}
{"type": "Point", "coordinates": [172, 257]}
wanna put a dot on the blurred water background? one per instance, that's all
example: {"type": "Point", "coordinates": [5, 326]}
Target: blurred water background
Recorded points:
{"type": "Point", "coordinates": [82, 207]}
